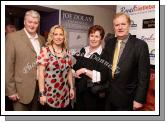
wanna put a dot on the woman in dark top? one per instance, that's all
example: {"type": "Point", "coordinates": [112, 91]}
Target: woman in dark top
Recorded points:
{"type": "Point", "coordinates": [86, 73]}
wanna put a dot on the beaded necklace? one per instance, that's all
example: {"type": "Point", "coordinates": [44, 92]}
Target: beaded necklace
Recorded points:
{"type": "Point", "coordinates": [55, 51]}
{"type": "Point", "coordinates": [58, 59]}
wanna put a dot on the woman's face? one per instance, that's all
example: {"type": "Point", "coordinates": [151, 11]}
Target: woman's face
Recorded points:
{"type": "Point", "coordinates": [95, 39]}
{"type": "Point", "coordinates": [58, 36]}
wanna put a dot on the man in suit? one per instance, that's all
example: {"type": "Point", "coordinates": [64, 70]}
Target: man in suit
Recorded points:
{"type": "Point", "coordinates": [130, 66]}
{"type": "Point", "coordinates": [22, 48]}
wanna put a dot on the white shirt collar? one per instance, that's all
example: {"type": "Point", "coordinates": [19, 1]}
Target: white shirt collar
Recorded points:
{"type": "Point", "coordinates": [29, 36]}
{"type": "Point", "coordinates": [88, 53]}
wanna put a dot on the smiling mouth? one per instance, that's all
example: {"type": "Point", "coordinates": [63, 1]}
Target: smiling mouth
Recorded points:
{"type": "Point", "coordinates": [58, 41]}
{"type": "Point", "coordinates": [120, 31]}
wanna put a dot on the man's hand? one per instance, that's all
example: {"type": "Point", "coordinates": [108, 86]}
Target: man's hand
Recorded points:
{"type": "Point", "coordinates": [137, 106]}
{"type": "Point", "coordinates": [79, 72]}
{"type": "Point", "coordinates": [14, 97]}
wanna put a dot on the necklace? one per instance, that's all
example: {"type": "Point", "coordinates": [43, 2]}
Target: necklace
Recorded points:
{"type": "Point", "coordinates": [55, 51]}
{"type": "Point", "coordinates": [58, 59]}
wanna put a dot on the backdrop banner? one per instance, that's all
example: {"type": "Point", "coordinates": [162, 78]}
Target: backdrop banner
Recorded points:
{"type": "Point", "coordinates": [77, 26]}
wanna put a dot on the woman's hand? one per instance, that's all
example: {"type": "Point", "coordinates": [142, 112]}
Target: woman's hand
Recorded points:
{"type": "Point", "coordinates": [72, 93]}
{"type": "Point", "coordinates": [79, 72]}
{"type": "Point", "coordinates": [42, 100]}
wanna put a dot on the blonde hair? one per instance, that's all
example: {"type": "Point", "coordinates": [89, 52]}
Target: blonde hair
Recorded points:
{"type": "Point", "coordinates": [122, 14]}
{"type": "Point", "coordinates": [51, 33]}
{"type": "Point", "coordinates": [33, 14]}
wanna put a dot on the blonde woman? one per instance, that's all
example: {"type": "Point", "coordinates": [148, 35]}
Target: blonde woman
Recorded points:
{"type": "Point", "coordinates": [54, 68]}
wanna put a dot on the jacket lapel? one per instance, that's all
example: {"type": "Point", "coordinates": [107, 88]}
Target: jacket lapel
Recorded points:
{"type": "Point", "coordinates": [40, 42]}
{"type": "Point", "coordinates": [125, 51]}
{"type": "Point", "coordinates": [27, 40]}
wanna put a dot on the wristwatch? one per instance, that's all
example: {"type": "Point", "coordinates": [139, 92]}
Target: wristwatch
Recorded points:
{"type": "Point", "coordinates": [85, 71]}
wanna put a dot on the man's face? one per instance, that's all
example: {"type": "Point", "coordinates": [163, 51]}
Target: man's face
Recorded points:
{"type": "Point", "coordinates": [31, 24]}
{"type": "Point", "coordinates": [121, 27]}
{"type": "Point", "coordinates": [10, 28]}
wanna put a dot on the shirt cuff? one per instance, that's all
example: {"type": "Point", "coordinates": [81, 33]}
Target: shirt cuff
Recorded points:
{"type": "Point", "coordinates": [96, 77]}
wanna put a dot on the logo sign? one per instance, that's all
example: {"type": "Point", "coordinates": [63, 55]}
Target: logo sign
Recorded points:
{"type": "Point", "coordinates": [76, 21]}
{"type": "Point", "coordinates": [149, 23]}
{"type": "Point", "coordinates": [152, 53]}
{"type": "Point", "coordinates": [137, 9]}
{"type": "Point", "coordinates": [148, 38]}
{"type": "Point", "coordinates": [133, 24]}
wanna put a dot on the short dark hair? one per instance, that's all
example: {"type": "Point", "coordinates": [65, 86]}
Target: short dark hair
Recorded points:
{"type": "Point", "coordinates": [95, 28]}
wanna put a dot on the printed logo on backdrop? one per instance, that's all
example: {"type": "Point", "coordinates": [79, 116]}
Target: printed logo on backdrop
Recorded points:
{"type": "Point", "coordinates": [137, 9]}
{"type": "Point", "coordinates": [76, 25]}
{"type": "Point", "coordinates": [133, 25]}
{"type": "Point", "coordinates": [152, 55]}
{"type": "Point", "coordinates": [149, 38]}
{"type": "Point", "coordinates": [149, 23]}
{"type": "Point", "coordinates": [76, 21]}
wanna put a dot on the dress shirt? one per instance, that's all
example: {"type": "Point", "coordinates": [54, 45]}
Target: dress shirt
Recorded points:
{"type": "Point", "coordinates": [34, 42]}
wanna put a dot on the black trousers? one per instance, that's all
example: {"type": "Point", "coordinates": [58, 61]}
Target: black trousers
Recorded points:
{"type": "Point", "coordinates": [87, 101]}
{"type": "Point", "coordinates": [109, 106]}
{"type": "Point", "coordinates": [8, 104]}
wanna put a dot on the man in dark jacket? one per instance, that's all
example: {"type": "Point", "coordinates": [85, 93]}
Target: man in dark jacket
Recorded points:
{"type": "Point", "coordinates": [130, 65]}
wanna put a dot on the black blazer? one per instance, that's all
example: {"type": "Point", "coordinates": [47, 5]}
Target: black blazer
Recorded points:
{"type": "Point", "coordinates": [132, 80]}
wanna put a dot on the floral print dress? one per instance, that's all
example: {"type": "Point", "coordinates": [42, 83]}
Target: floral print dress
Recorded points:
{"type": "Point", "coordinates": [56, 84]}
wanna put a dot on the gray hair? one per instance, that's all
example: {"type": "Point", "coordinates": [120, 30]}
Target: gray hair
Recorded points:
{"type": "Point", "coordinates": [33, 14]}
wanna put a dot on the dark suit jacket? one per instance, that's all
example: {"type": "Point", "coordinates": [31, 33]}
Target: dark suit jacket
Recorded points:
{"type": "Point", "coordinates": [131, 81]}
{"type": "Point", "coordinates": [20, 66]}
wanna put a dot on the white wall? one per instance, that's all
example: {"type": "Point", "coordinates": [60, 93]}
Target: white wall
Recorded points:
{"type": "Point", "coordinates": [102, 16]}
